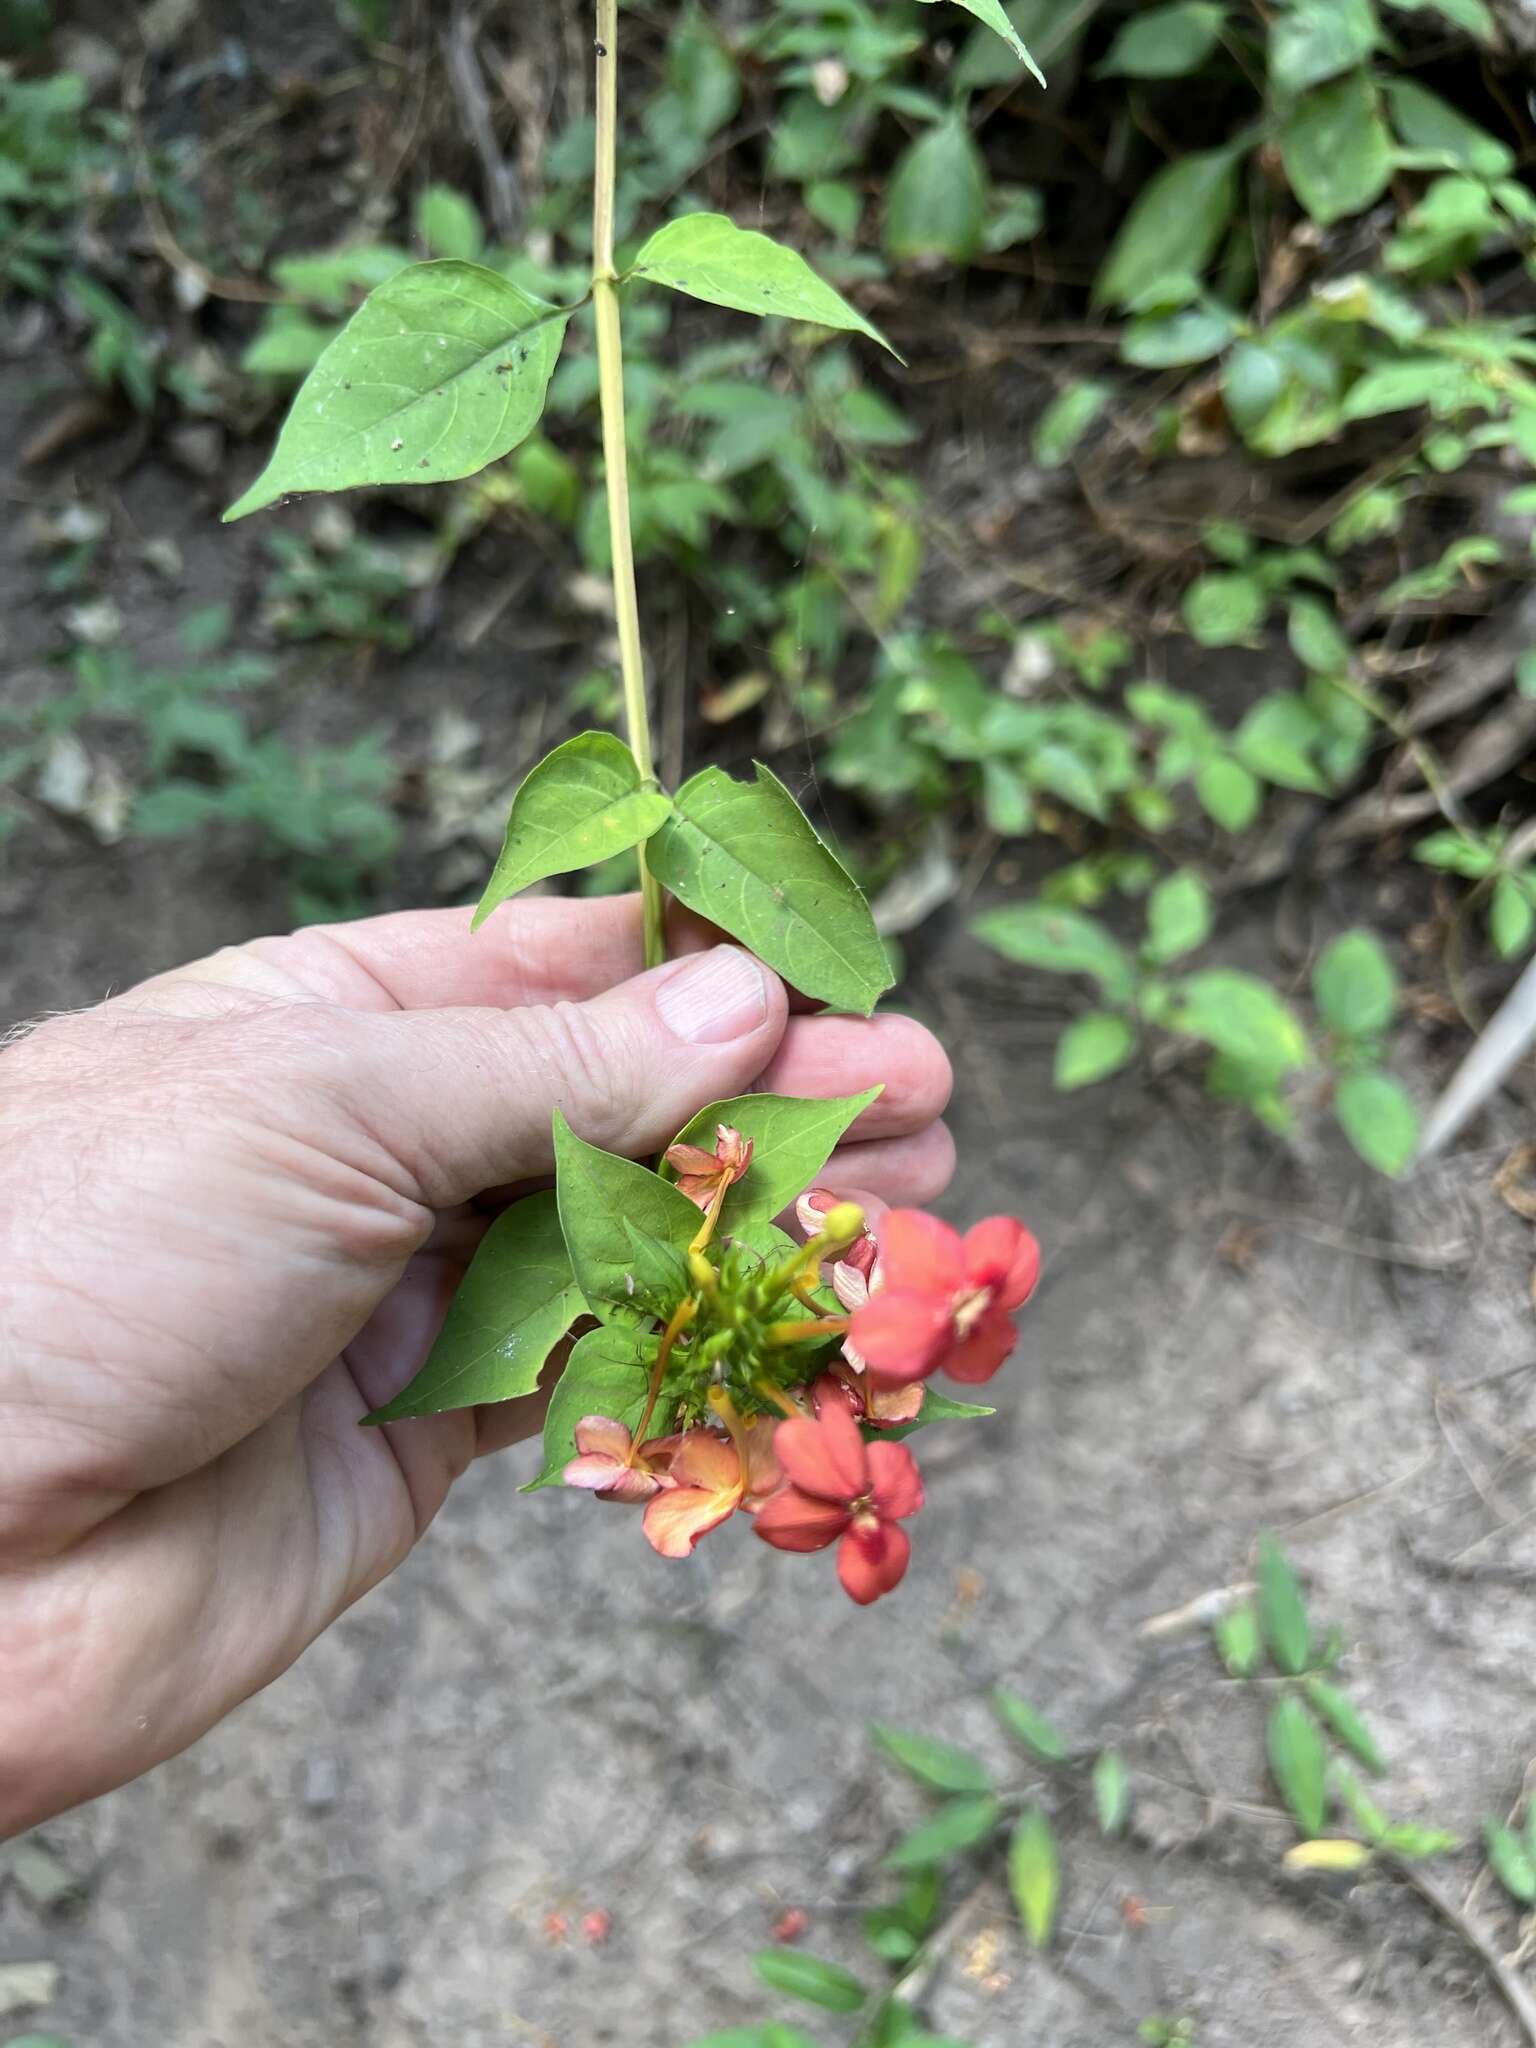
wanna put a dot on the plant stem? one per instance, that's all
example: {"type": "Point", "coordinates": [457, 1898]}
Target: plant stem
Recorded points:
{"type": "Point", "coordinates": [610, 369]}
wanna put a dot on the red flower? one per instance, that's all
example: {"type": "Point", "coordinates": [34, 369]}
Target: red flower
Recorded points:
{"type": "Point", "coordinates": [704, 1176]}
{"type": "Point", "coordinates": [844, 1491]}
{"type": "Point", "coordinates": [944, 1301]}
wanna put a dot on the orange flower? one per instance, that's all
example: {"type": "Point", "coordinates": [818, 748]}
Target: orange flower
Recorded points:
{"type": "Point", "coordinates": [608, 1464]}
{"type": "Point", "coordinates": [705, 1484]}
{"type": "Point", "coordinates": [844, 1491]}
{"type": "Point", "coordinates": [943, 1303]}
{"type": "Point", "coordinates": [704, 1176]}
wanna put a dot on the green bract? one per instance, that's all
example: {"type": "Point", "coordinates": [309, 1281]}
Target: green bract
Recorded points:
{"type": "Point", "coordinates": [443, 370]}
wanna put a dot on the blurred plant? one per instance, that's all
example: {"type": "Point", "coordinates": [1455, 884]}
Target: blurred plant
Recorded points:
{"type": "Point", "coordinates": [338, 586]}
{"type": "Point", "coordinates": [193, 760]}
{"type": "Point", "coordinates": [981, 1829]}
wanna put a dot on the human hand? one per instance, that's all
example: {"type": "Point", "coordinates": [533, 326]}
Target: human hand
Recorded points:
{"type": "Point", "coordinates": [234, 1204]}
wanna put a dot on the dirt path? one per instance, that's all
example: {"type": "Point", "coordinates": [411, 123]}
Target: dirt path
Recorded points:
{"type": "Point", "coordinates": [538, 1716]}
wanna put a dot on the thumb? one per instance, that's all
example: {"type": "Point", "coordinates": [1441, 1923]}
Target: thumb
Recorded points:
{"type": "Point", "coordinates": [464, 1099]}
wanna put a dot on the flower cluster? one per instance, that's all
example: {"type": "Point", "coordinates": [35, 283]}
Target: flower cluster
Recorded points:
{"type": "Point", "coordinates": [777, 1383]}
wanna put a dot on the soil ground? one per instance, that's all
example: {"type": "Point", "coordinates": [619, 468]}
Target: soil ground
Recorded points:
{"type": "Point", "coordinates": [538, 1717]}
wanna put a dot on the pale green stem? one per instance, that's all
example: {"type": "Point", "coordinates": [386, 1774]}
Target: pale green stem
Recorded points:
{"type": "Point", "coordinates": [610, 371]}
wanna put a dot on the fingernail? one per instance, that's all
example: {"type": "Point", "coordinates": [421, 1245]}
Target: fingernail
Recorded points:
{"type": "Point", "coordinates": [719, 996]}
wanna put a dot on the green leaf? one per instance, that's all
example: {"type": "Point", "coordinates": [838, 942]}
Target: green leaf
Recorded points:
{"type": "Point", "coordinates": [516, 1302]}
{"type": "Point", "coordinates": [936, 200]}
{"type": "Point", "coordinates": [1091, 1049]}
{"type": "Point", "coordinates": [990, 12]}
{"type": "Point", "coordinates": [1236, 1635]}
{"type": "Point", "coordinates": [1168, 342]}
{"type": "Point", "coordinates": [1368, 1816]}
{"type": "Point", "coordinates": [442, 370]}
{"type": "Point", "coordinates": [581, 805]}
{"type": "Point", "coordinates": [1425, 121]}
{"type": "Point", "coordinates": [1313, 40]}
{"type": "Point", "coordinates": [1298, 1763]}
{"type": "Point", "coordinates": [1224, 608]}
{"type": "Point", "coordinates": [607, 1373]}
{"type": "Point", "coordinates": [1034, 1875]}
{"type": "Point", "coordinates": [1379, 1120]}
{"type": "Point", "coordinates": [745, 856]}
{"type": "Point", "coordinates": [1339, 1713]}
{"type": "Point", "coordinates": [1316, 638]}
{"type": "Point", "coordinates": [710, 258]}
{"type": "Point", "coordinates": [957, 1826]}
{"type": "Point", "coordinates": [1067, 419]}
{"type": "Point", "coordinates": [1228, 794]}
{"type": "Point", "coordinates": [1029, 1727]}
{"type": "Point", "coordinates": [1179, 918]}
{"type": "Point", "coordinates": [1355, 985]}
{"type": "Point", "coordinates": [809, 1979]}
{"type": "Point", "coordinates": [1242, 1017]}
{"type": "Point", "coordinates": [938, 1764]}
{"type": "Point", "coordinates": [1174, 226]}
{"type": "Point", "coordinates": [936, 1407]}
{"type": "Point", "coordinates": [599, 1196]}
{"type": "Point", "coordinates": [1514, 1867]}
{"type": "Point", "coordinates": [449, 224]}
{"type": "Point", "coordinates": [1276, 738]}
{"type": "Point", "coordinates": [702, 75]}
{"type": "Point", "coordinates": [1165, 42]}
{"type": "Point", "coordinates": [1282, 1610]}
{"type": "Point", "coordinates": [1111, 1791]}
{"type": "Point", "coordinates": [792, 1139]}
{"type": "Point", "coordinates": [1475, 16]}
{"type": "Point", "coordinates": [1456, 851]}
{"type": "Point", "coordinates": [1061, 941]}
{"type": "Point", "coordinates": [1511, 916]}
{"type": "Point", "coordinates": [1336, 149]}
{"type": "Point", "coordinates": [1406, 1838]}
{"type": "Point", "coordinates": [837, 205]}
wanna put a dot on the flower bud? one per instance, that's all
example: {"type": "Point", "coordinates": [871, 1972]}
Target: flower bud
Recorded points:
{"type": "Point", "coordinates": [844, 1223]}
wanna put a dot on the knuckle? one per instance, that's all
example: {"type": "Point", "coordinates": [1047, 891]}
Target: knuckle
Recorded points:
{"type": "Point", "coordinates": [588, 1065]}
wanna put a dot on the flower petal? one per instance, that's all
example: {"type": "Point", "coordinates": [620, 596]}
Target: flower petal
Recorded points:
{"type": "Point", "coordinates": [901, 1332]}
{"type": "Point", "coordinates": [793, 1520]}
{"type": "Point", "coordinates": [976, 1357]}
{"type": "Point", "coordinates": [704, 1459]}
{"type": "Point", "coordinates": [599, 1436]}
{"type": "Point", "coordinates": [693, 1159]}
{"type": "Point", "coordinates": [824, 1457]}
{"type": "Point", "coordinates": [918, 1251]}
{"type": "Point", "coordinates": [612, 1481]}
{"type": "Point", "coordinates": [676, 1519]}
{"type": "Point", "coordinates": [872, 1558]}
{"type": "Point", "coordinates": [1001, 1255]}
{"type": "Point", "coordinates": [813, 1208]}
{"type": "Point", "coordinates": [849, 1285]}
{"type": "Point", "coordinates": [763, 1471]}
{"type": "Point", "coordinates": [897, 1485]}
{"type": "Point", "coordinates": [890, 1405]}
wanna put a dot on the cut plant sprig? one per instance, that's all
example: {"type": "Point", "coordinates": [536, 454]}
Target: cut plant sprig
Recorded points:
{"type": "Point", "coordinates": [610, 372]}
{"type": "Point", "coordinates": [705, 1324]}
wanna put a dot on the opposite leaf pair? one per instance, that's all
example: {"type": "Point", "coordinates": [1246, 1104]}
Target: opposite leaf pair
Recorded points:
{"type": "Point", "coordinates": [741, 854]}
